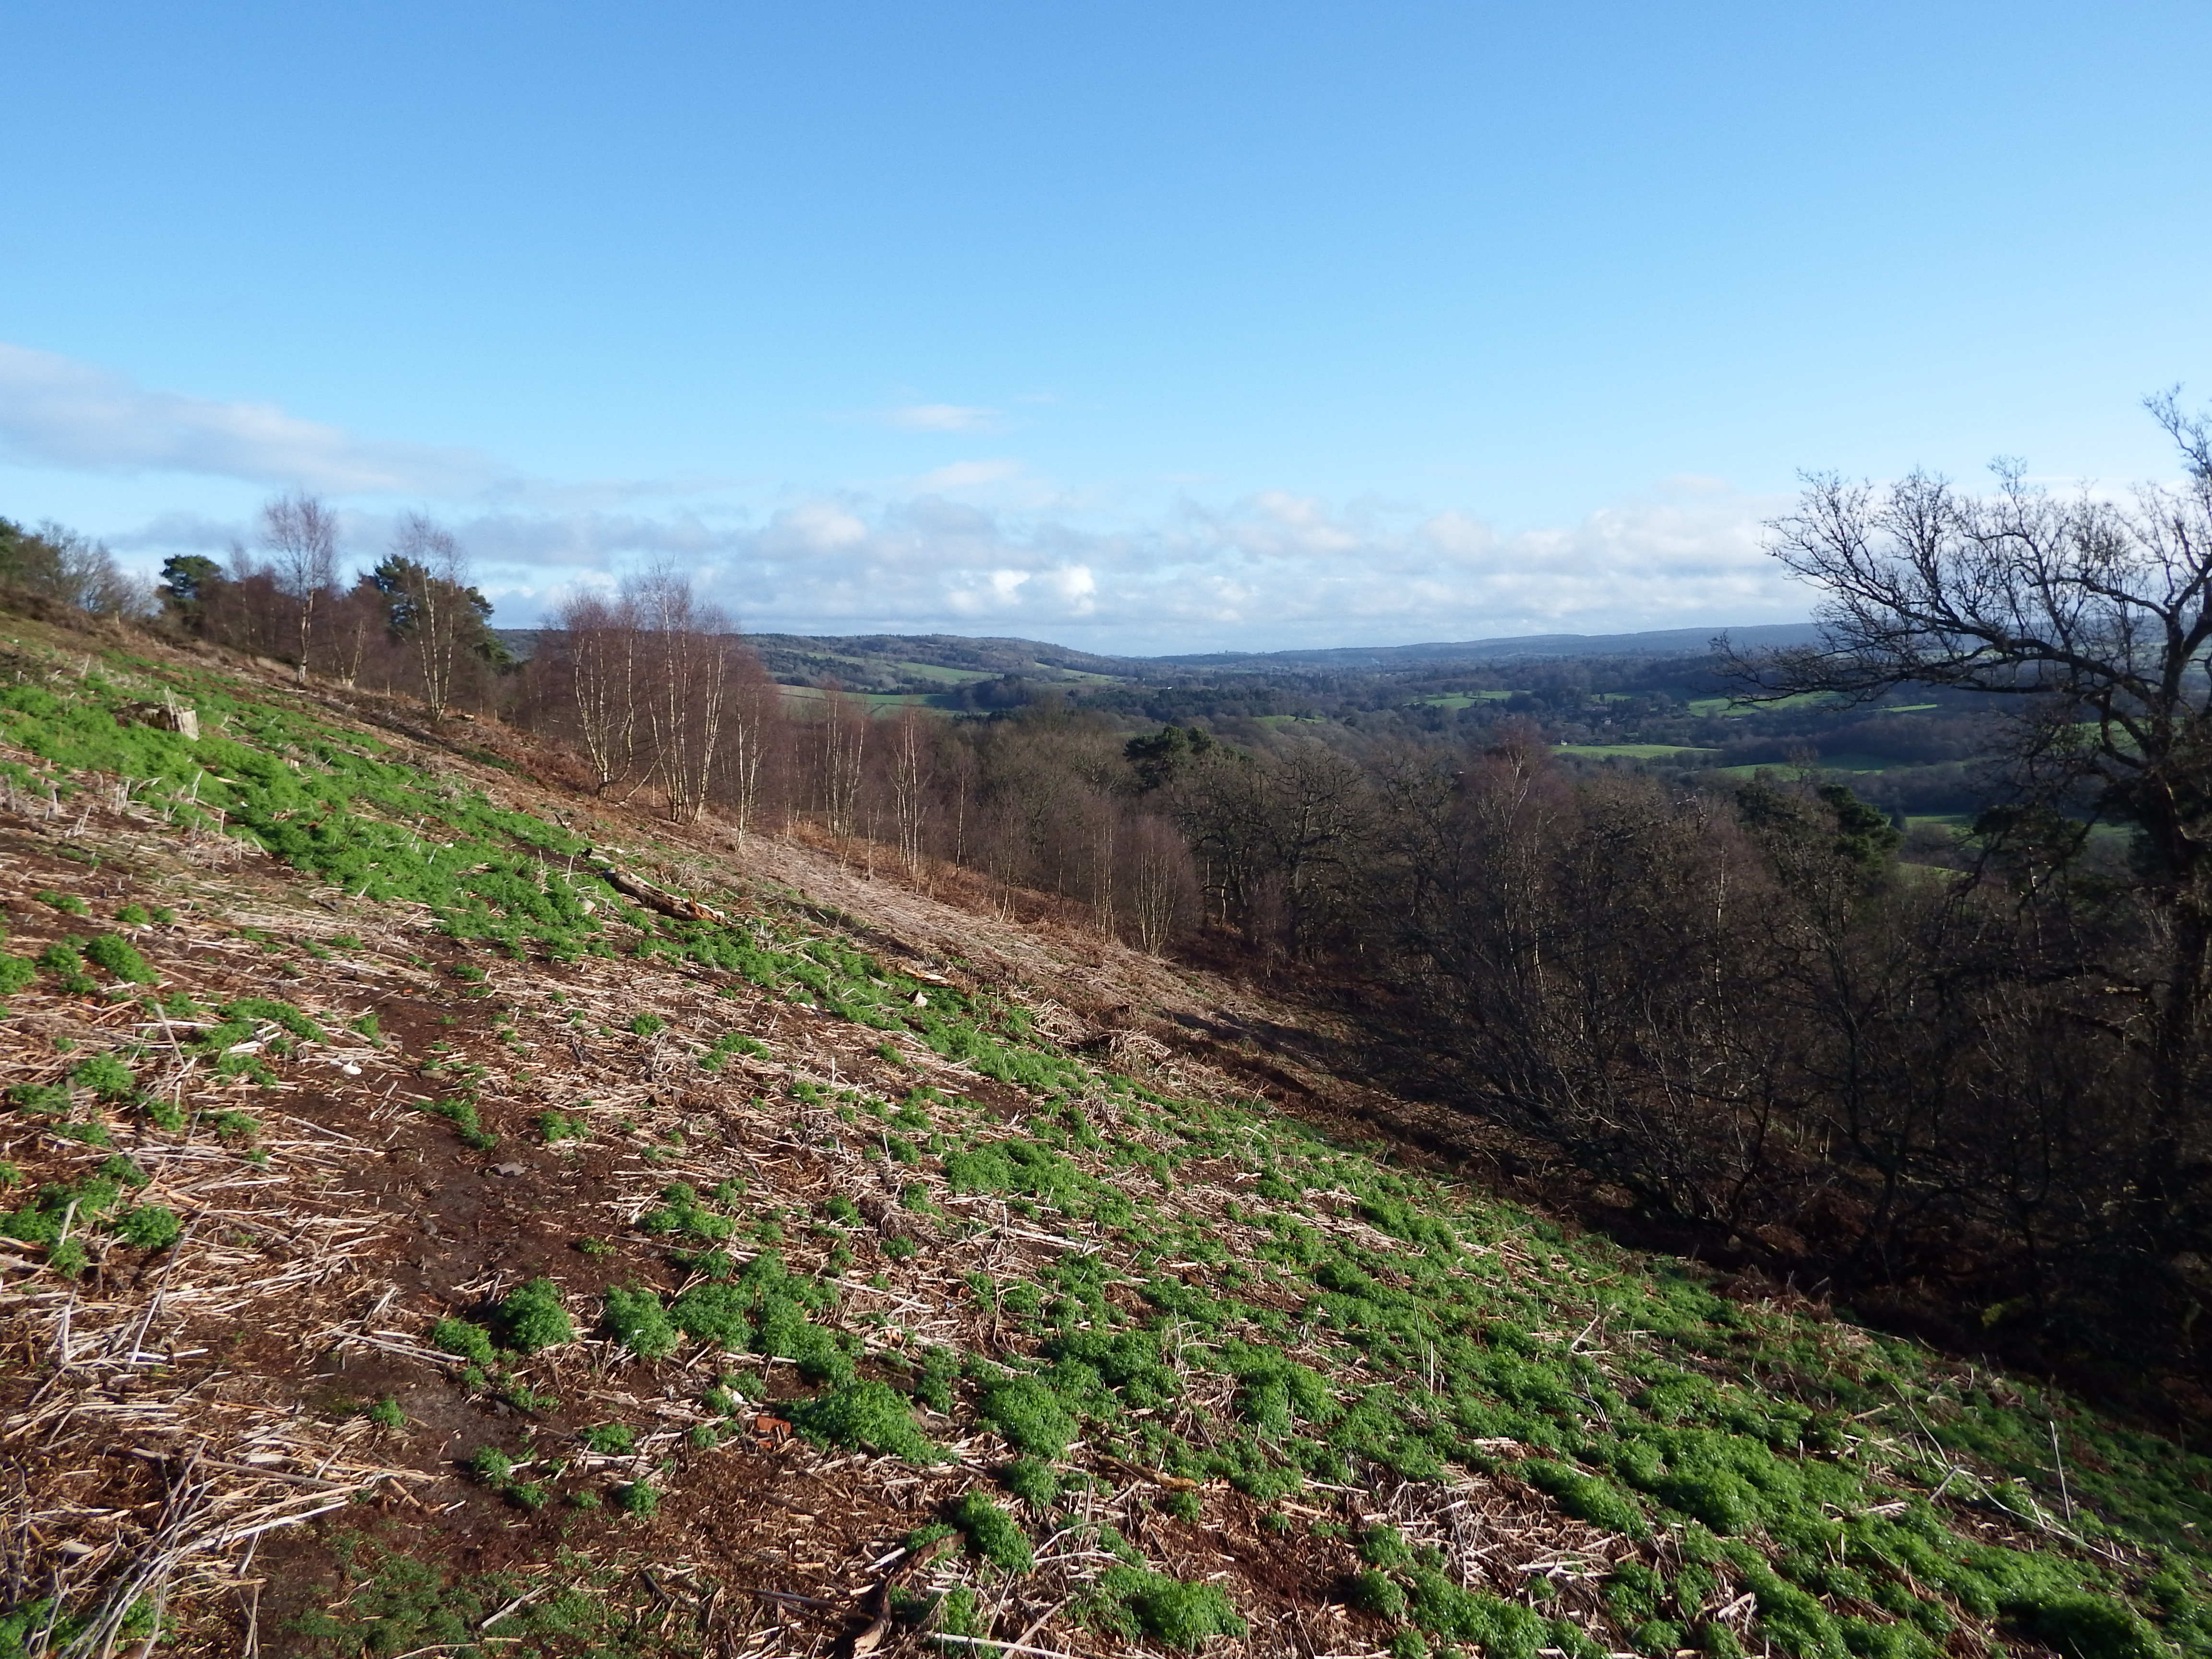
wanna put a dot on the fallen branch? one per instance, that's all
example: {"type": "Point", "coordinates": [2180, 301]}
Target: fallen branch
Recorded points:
{"type": "Point", "coordinates": [657, 898]}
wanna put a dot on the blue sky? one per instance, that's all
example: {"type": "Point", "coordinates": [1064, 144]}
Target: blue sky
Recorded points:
{"type": "Point", "coordinates": [1140, 326]}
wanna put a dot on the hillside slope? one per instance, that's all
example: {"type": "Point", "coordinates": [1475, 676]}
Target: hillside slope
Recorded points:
{"type": "Point", "coordinates": [417, 1243]}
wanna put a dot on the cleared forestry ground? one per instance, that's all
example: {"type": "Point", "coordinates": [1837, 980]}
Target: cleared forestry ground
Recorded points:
{"type": "Point", "coordinates": [412, 1244]}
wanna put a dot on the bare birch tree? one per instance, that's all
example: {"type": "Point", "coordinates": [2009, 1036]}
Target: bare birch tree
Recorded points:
{"type": "Point", "coordinates": [301, 535]}
{"type": "Point", "coordinates": [911, 770]}
{"type": "Point", "coordinates": [686, 682]}
{"type": "Point", "coordinates": [752, 723]}
{"type": "Point", "coordinates": [1159, 881]}
{"type": "Point", "coordinates": [844, 737]}
{"type": "Point", "coordinates": [601, 637]}
{"type": "Point", "coordinates": [432, 604]}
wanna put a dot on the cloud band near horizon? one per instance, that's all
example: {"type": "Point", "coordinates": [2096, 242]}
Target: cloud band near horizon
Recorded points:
{"type": "Point", "coordinates": [1273, 569]}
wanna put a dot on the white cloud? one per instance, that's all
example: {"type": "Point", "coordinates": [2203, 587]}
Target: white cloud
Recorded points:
{"type": "Point", "coordinates": [1275, 570]}
{"type": "Point", "coordinates": [64, 413]}
{"type": "Point", "coordinates": [942, 417]}
{"type": "Point", "coordinates": [971, 475]}
{"type": "Point", "coordinates": [981, 544]}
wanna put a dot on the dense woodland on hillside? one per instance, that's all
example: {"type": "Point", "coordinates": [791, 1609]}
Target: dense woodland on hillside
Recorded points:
{"type": "Point", "coordinates": [1957, 1069]}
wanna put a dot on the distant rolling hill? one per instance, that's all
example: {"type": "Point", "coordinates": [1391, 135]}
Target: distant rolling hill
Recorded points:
{"type": "Point", "coordinates": [919, 662]}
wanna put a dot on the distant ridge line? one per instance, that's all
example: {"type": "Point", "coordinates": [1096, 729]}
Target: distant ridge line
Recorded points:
{"type": "Point", "coordinates": [1007, 655]}
{"type": "Point", "coordinates": [1664, 641]}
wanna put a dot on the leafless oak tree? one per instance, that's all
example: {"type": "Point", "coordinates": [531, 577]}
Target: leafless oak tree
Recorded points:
{"type": "Point", "coordinates": [2094, 618]}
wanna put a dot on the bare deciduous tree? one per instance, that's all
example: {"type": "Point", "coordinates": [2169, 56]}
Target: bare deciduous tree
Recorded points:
{"type": "Point", "coordinates": [911, 770]}
{"type": "Point", "coordinates": [686, 646]}
{"type": "Point", "coordinates": [301, 535]}
{"type": "Point", "coordinates": [601, 636]}
{"type": "Point", "coordinates": [432, 604]}
{"type": "Point", "coordinates": [2096, 618]}
{"type": "Point", "coordinates": [844, 736]}
{"type": "Point", "coordinates": [753, 724]}
{"type": "Point", "coordinates": [1159, 880]}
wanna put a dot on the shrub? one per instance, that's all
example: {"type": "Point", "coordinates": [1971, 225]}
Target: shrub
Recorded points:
{"type": "Point", "coordinates": [635, 1318]}
{"type": "Point", "coordinates": [106, 1076]}
{"type": "Point", "coordinates": [40, 1097]}
{"type": "Point", "coordinates": [1443, 1608]}
{"type": "Point", "coordinates": [68, 1258]}
{"type": "Point", "coordinates": [1028, 1414]}
{"type": "Point", "coordinates": [719, 1314]}
{"type": "Point", "coordinates": [1635, 1592]}
{"type": "Point", "coordinates": [61, 961]}
{"type": "Point", "coordinates": [554, 1127]}
{"type": "Point", "coordinates": [165, 1115]}
{"type": "Point", "coordinates": [1384, 1547]}
{"type": "Point", "coordinates": [282, 1014]}
{"type": "Point", "coordinates": [993, 1533]}
{"type": "Point", "coordinates": [1587, 1497]}
{"type": "Point", "coordinates": [461, 1111]}
{"type": "Point", "coordinates": [460, 1337]}
{"type": "Point", "coordinates": [864, 1416]}
{"type": "Point", "coordinates": [121, 959]}
{"type": "Point", "coordinates": [681, 1212]}
{"type": "Point", "coordinates": [1722, 1498]}
{"type": "Point", "coordinates": [149, 1227]}
{"type": "Point", "coordinates": [235, 1126]}
{"type": "Point", "coordinates": [1378, 1593]}
{"type": "Point", "coordinates": [1131, 1602]}
{"type": "Point", "coordinates": [532, 1317]}
{"type": "Point", "coordinates": [1034, 1482]}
